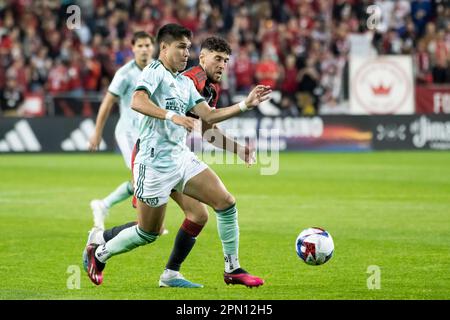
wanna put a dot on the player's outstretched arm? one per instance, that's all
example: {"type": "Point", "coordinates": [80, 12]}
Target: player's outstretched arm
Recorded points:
{"type": "Point", "coordinates": [259, 94]}
{"type": "Point", "coordinates": [103, 113]}
{"type": "Point", "coordinates": [217, 138]}
{"type": "Point", "coordinates": [142, 104]}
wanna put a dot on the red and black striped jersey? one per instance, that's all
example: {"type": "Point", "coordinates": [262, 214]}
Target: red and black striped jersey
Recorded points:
{"type": "Point", "coordinates": [210, 91]}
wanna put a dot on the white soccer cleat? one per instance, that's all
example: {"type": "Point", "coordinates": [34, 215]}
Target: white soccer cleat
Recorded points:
{"type": "Point", "coordinates": [95, 236]}
{"type": "Point", "coordinates": [99, 211]}
{"type": "Point", "coordinates": [174, 279]}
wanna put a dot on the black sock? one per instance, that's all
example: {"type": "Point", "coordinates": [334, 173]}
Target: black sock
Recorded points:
{"type": "Point", "coordinates": [184, 242]}
{"type": "Point", "coordinates": [111, 233]}
{"type": "Point", "coordinates": [183, 245]}
{"type": "Point", "coordinates": [238, 270]}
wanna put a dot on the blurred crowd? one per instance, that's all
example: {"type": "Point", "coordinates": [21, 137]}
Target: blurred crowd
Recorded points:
{"type": "Point", "coordinates": [298, 47]}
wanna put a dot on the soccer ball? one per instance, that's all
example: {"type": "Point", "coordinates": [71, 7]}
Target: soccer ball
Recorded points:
{"type": "Point", "coordinates": [314, 246]}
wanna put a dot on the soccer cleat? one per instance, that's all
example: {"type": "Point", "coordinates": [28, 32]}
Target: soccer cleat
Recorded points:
{"type": "Point", "coordinates": [94, 267]}
{"type": "Point", "coordinates": [99, 211]}
{"type": "Point", "coordinates": [242, 277]}
{"type": "Point", "coordinates": [176, 281]}
{"type": "Point", "coordinates": [92, 238]}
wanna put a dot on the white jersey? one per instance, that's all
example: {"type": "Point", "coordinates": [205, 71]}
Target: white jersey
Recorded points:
{"type": "Point", "coordinates": [163, 143]}
{"type": "Point", "coordinates": [127, 129]}
{"type": "Point", "coordinates": [122, 86]}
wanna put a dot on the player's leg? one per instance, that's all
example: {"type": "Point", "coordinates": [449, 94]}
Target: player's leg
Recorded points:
{"type": "Point", "coordinates": [196, 217]}
{"type": "Point", "coordinates": [99, 236]}
{"type": "Point", "coordinates": [144, 232]}
{"type": "Point", "coordinates": [100, 207]}
{"type": "Point", "coordinates": [207, 187]}
{"type": "Point", "coordinates": [153, 192]}
{"type": "Point", "coordinates": [134, 153]}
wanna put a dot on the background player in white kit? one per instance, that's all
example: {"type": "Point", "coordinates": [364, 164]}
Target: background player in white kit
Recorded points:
{"type": "Point", "coordinates": [121, 90]}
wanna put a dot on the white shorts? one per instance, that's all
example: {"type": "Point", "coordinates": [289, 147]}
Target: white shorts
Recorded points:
{"type": "Point", "coordinates": [154, 187]}
{"type": "Point", "coordinates": [126, 140]}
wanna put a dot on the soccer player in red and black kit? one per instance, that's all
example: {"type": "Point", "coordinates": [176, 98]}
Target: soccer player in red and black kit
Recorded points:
{"type": "Point", "coordinates": [214, 56]}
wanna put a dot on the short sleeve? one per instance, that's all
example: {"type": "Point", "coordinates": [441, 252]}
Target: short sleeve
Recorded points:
{"type": "Point", "coordinates": [194, 97]}
{"type": "Point", "coordinates": [118, 85]}
{"type": "Point", "coordinates": [150, 78]}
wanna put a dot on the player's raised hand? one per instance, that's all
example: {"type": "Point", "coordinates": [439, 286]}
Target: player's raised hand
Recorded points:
{"type": "Point", "coordinates": [259, 94]}
{"type": "Point", "coordinates": [94, 142]}
{"type": "Point", "coordinates": [186, 122]}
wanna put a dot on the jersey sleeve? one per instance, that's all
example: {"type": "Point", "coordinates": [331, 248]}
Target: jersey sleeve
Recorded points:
{"type": "Point", "coordinates": [194, 97]}
{"type": "Point", "coordinates": [118, 85]}
{"type": "Point", "coordinates": [149, 79]}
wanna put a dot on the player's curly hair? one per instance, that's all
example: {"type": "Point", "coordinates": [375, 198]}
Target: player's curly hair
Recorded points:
{"type": "Point", "coordinates": [216, 44]}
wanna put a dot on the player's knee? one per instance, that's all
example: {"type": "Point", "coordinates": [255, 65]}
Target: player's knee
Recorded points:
{"type": "Point", "coordinates": [225, 202]}
{"type": "Point", "coordinates": [202, 218]}
{"type": "Point", "coordinates": [145, 237]}
{"type": "Point", "coordinates": [199, 217]}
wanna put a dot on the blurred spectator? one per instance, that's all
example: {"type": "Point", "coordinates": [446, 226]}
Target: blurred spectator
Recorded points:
{"type": "Point", "coordinates": [443, 14]}
{"type": "Point", "coordinates": [441, 57]}
{"type": "Point", "coordinates": [74, 85]}
{"type": "Point", "coordinates": [409, 37]}
{"type": "Point", "coordinates": [11, 97]}
{"type": "Point", "coordinates": [289, 87]}
{"type": "Point", "coordinates": [91, 74]}
{"type": "Point", "coordinates": [421, 12]}
{"type": "Point", "coordinates": [122, 53]}
{"type": "Point", "coordinates": [289, 84]}
{"type": "Point", "coordinates": [45, 57]}
{"type": "Point", "coordinates": [40, 65]}
{"type": "Point", "coordinates": [423, 64]}
{"type": "Point", "coordinates": [430, 34]}
{"type": "Point", "coordinates": [331, 81]}
{"type": "Point", "coordinates": [267, 70]}
{"type": "Point", "coordinates": [308, 79]}
{"type": "Point", "coordinates": [243, 70]}
{"type": "Point", "coordinates": [402, 10]}
{"type": "Point", "coordinates": [57, 81]}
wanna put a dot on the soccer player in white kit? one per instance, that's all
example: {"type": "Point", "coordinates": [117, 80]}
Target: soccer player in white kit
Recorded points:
{"type": "Point", "coordinates": [164, 162]}
{"type": "Point", "coordinates": [121, 90]}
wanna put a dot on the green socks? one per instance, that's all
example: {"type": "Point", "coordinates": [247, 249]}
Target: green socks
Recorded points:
{"type": "Point", "coordinates": [122, 192]}
{"type": "Point", "coordinates": [127, 239]}
{"type": "Point", "coordinates": [228, 228]}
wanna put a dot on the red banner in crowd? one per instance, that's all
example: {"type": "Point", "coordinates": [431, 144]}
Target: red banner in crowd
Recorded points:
{"type": "Point", "coordinates": [433, 99]}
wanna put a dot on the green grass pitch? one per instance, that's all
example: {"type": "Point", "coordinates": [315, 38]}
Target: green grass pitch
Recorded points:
{"type": "Point", "coordinates": [386, 209]}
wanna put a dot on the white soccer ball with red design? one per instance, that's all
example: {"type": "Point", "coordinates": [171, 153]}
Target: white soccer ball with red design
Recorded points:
{"type": "Point", "coordinates": [314, 246]}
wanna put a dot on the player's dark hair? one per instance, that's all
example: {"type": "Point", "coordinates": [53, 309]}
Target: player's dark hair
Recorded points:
{"type": "Point", "coordinates": [171, 32]}
{"type": "Point", "coordinates": [216, 44]}
{"type": "Point", "coordinates": [141, 35]}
